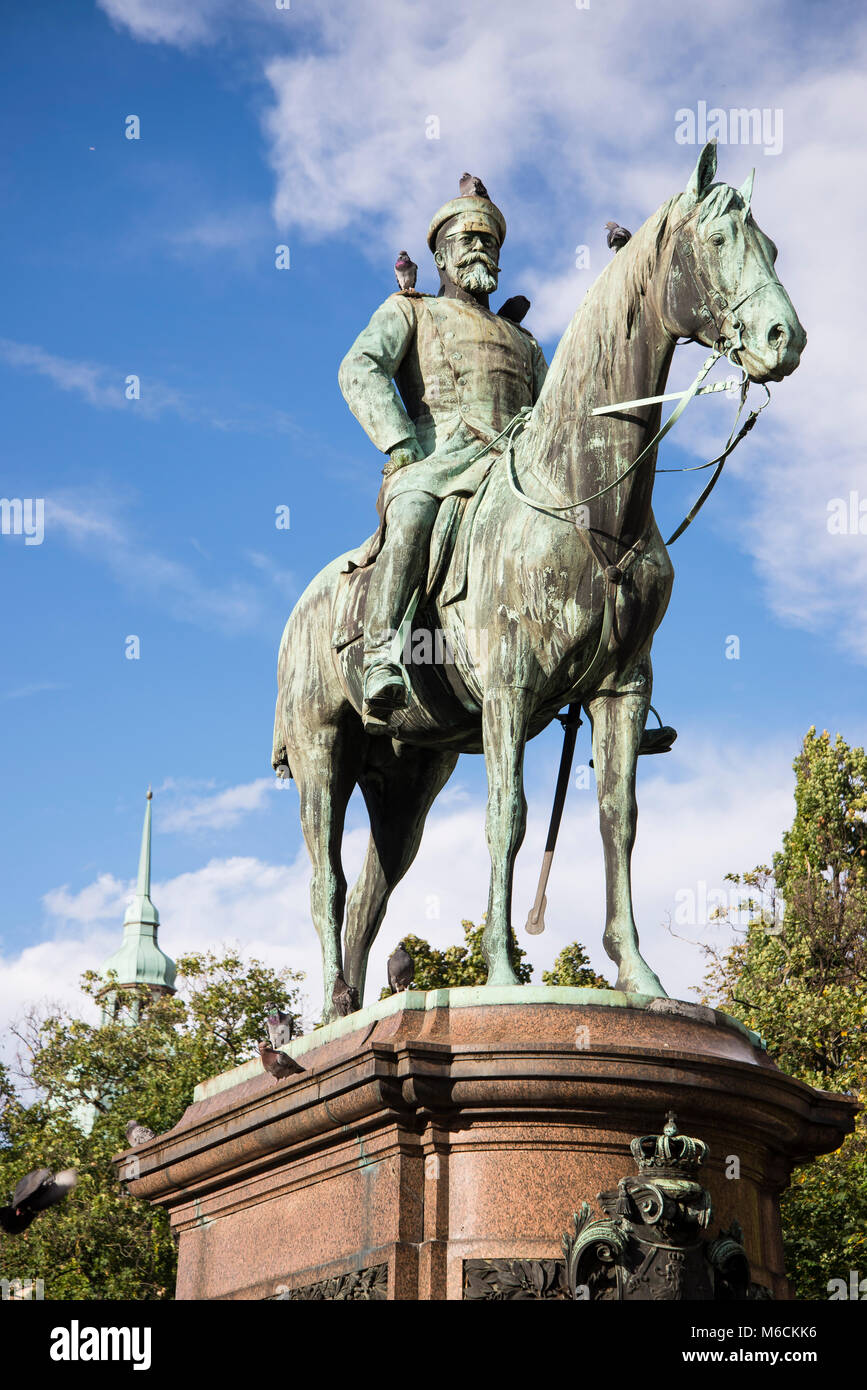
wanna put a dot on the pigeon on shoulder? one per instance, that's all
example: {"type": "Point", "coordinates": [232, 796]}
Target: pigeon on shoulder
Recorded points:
{"type": "Point", "coordinates": [406, 272]}
{"type": "Point", "coordinates": [617, 236]}
{"type": "Point", "coordinates": [514, 309]}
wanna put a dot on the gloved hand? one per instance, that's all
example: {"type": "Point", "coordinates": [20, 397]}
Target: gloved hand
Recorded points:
{"type": "Point", "coordinates": [406, 451]}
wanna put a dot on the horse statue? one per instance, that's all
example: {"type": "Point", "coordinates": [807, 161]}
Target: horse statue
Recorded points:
{"type": "Point", "coordinates": [565, 575]}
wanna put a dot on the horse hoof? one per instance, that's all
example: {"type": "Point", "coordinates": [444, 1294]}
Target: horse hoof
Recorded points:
{"type": "Point", "coordinates": [641, 982]}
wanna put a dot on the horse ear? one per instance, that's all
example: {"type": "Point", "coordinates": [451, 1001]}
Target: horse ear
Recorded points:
{"type": "Point", "coordinates": [703, 173]}
{"type": "Point", "coordinates": [746, 190]}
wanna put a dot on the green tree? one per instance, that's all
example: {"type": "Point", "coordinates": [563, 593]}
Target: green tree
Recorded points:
{"type": "Point", "coordinates": [572, 967]}
{"type": "Point", "coordinates": [799, 978]}
{"type": "Point", "coordinates": [102, 1243]}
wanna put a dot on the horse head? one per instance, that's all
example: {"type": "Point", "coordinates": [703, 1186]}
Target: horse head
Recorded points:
{"type": "Point", "coordinates": [722, 289]}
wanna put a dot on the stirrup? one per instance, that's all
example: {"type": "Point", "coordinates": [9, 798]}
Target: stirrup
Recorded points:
{"type": "Point", "coordinates": [657, 740]}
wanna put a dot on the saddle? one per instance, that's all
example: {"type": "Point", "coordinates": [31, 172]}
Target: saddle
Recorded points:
{"type": "Point", "coordinates": [447, 567]}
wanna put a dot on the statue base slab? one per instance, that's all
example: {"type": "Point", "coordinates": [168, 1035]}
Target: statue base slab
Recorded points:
{"type": "Point", "coordinates": [436, 1144]}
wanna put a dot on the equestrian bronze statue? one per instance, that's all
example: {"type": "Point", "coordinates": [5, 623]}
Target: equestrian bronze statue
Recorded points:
{"type": "Point", "coordinates": [518, 567]}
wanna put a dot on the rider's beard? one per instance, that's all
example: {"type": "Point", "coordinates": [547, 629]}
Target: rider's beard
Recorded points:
{"type": "Point", "coordinates": [477, 275]}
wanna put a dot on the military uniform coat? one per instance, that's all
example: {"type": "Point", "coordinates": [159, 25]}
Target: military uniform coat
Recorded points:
{"type": "Point", "coordinates": [447, 372]}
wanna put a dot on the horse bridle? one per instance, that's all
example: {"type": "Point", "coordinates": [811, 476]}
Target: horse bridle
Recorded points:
{"type": "Point", "coordinates": [725, 346]}
{"type": "Point", "coordinates": [712, 305]}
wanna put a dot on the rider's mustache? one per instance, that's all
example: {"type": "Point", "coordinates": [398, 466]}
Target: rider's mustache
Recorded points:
{"type": "Point", "coordinates": [478, 257]}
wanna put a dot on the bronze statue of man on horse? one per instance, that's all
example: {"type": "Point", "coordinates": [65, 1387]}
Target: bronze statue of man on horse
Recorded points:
{"type": "Point", "coordinates": [533, 492]}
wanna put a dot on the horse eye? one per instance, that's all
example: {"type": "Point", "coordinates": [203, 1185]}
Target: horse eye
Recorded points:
{"type": "Point", "coordinates": [717, 239]}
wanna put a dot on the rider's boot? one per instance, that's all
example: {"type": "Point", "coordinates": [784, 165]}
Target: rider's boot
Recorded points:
{"type": "Point", "coordinates": [400, 568]}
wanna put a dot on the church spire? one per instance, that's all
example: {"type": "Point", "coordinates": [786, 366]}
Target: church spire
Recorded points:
{"type": "Point", "coordinates": [139, 961]}
{"type": "Point", "coordinates": [143, 889]}
{"type": "Point", "coordinates": [141, 909]}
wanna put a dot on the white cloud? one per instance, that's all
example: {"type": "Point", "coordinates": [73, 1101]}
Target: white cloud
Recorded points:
{"type": "Point", "coordinates": [100, 901]}
{"type": "Point", "coordinates": [25, 692]}
{"type": "Point", "coordinates": [218, 810]}
{"type": "Point", "coordinates": [180, 22]}
{"type": "Point", "coordinates": [87, 379]}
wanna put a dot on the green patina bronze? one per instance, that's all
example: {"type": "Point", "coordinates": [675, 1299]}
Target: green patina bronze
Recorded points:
{"type": "Point", "coordinates": [539, 564]}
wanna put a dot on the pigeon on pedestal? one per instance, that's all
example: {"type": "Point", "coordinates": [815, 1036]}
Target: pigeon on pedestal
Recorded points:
{"type": "Point", "coordinates": [617, 236]}
{"type": "Point", "coordinates": [406, 272]}
{"type": "Point", "coordinates": [279, 1064]}
{"type": "Point", "coordinates": [401, 968]}
{"type": "Point", "coordinates": [281, 1027]}
{"type": "Point", "coordinates": [344, 997]}
{"type": "Point", "coordinates": [35, 1193]}
{"type": "Point", "coordinates": [137, 1134]}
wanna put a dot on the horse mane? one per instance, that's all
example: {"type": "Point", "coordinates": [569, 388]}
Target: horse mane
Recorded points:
{"type": "Point", "coordinates": [622, 287]}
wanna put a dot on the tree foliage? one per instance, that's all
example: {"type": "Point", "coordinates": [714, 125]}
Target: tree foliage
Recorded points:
{"type": "Point", "coordinates": [572, 967]}
{"type": "Point", "coordinates": [102, 1243]}
{"type": "Point", "coordinates": [798, 977]}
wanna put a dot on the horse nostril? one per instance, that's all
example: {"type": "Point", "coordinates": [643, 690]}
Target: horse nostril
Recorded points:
{"type": "Point", "coordinates": [777, 336]}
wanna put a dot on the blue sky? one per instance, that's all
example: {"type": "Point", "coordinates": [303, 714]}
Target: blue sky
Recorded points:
{"type": "Point", "coordinates": [156, 257]}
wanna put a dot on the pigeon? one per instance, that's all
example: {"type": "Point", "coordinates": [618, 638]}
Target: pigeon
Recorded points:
{"type": "Point", "coordinates": [514, 309]}
{"type": "Point", "coordinates": [617, 236]}
{"type": "Point", "coordinates": [401, 968]}
{"type": "Point", "coordinates": [137, 1134]}
{"type": "Point", "coordinates": [344, 997]}
{"type": "Point", "coordinates": [281, 1027]}
{"type": "Point", "coordinates": [471, 187]}
{"type": "Point", "coordinates": [406, 272]}
{"type": "Point", "coordinates": [34, 1193]}
{"type": "Point", "coordinates": [279, 1064]}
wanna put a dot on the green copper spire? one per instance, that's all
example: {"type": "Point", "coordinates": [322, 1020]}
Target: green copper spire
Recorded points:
{"type": "Point", "coordinates": [139, 961]}
{"type": "Point", "coordinates": [143, 889]}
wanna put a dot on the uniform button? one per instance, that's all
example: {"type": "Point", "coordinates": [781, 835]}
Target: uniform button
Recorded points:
{"type": "Point", "coordinates": [450, 334]}
{"type": "Point", "coordinates": [456, 356]}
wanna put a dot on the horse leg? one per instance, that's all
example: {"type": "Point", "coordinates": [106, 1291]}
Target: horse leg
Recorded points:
{"type": "Point", "coordinates": [618, 716]}
{"type": "Point", "coordinates": [399, 790]}
{"type": "Point", "coordinates": [325, 772]}
{"type": "Point", "coordinates": [505, 718]}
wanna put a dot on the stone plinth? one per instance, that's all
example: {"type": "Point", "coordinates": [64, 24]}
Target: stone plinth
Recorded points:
{"type": "Point", "coordinates": [467, 1125]}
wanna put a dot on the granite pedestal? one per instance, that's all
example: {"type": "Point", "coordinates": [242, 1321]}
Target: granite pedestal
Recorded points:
{"type": "Point", "coordinates": [436, 1129]}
